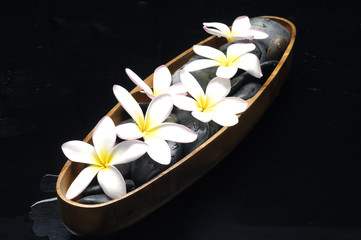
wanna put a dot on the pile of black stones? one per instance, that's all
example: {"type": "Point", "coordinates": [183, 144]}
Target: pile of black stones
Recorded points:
{"type": "Point", "coordinates": [269, 51]}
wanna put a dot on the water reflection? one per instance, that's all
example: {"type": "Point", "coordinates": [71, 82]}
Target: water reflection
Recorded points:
{"type": "Point", "coordinates": [47, 222]}
{"type": "Point", "coordinates": [45, 213]}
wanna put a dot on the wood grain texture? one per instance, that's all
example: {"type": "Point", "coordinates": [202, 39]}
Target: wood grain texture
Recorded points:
{"type": "Point", "coordinates": [106, 218]}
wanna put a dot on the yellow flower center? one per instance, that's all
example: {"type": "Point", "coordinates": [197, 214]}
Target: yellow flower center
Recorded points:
{"type": "Point", "coordinates": [227, 61]}
{"type": "Point", "coordinates": [146, 127]}
{"type": "Point", "coordinates": [157, 92]}
{"type": "Point", "coordinates": [204, 104]}
{"type": "Point", "coordinates": [103, 158]}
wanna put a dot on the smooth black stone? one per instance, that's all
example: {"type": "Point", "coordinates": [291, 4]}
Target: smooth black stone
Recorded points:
{"type": "Point", "coordinates": [272, 28]}
{"type": "Point", "coordinates": [124, 169]}
{"type": "Point", "coordinates": [145, 168]}
{"type": "Point", "coordinates": [47, 223]}
{"type": "Point", "coordinates": [201, 128]}
{"type": "Point", "coordinates": [276, 48]}
{"type": "Point", "coordinates": [176, 150]}
{"type": "Point", "coordinates": [172, 118]}
{"type": "Point", "coordinates": [176, 76]}
{"type": "Point", "coordinates": [213, 128]}
{"type": "Point", "coordinates": [246, 86]}
{"type": "Point", "coordinates": [96, 189]}
{"type": "Point", "coordinates": [92, 190]}
{"type": "Point", "coordinates": [203, 76]}
{"type": "Point", "coordinates": [267, 69]}
{"type": "Point", "coordinates": [130, 184]}
{"type": "Point", "coordinates": [248, 90]}
{"type": "Point", "coordinates": [94, 199]}
{"type": "Point", "coordinates": [240, 81]}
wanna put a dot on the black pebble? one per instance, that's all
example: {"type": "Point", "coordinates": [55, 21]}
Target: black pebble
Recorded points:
{"type": "Point", "coordinates": [92, 190]}
{"type": "Point", "coordinates": [272, 28]}
{"type": "Point", "coordinates": [201, 128]}
{"type": "Point", "coordinates": [276, 48]}
{"type": "Point", "coordinates": [130, 185]}
{"type": "Point", "coordinates": [145, 168]}
{"type": "Point", "coordinates": [94, 199]}
{"type": "Point", "coordinates": [246, 86]}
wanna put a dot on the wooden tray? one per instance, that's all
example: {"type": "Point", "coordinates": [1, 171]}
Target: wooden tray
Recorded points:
{"type": "Point", "coordinates": [103, 219]}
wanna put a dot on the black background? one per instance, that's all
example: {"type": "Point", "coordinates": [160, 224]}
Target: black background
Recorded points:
{"type": "Point", "coordinates": [296, 175]}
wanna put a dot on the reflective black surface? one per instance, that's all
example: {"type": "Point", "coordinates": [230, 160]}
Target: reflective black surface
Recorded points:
{"type": "Point", "coordinates": [296, 176]}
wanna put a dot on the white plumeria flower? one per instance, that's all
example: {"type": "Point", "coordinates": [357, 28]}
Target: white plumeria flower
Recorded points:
{"type": "Point", "coordinates": [237, 56]}
{"type": "Point", "coordinates": [212, 105]}
{"type": "Point", "coordinates": [151, 127]}
{"type": "Point", "coordinates": [241, 29]}
{"type": "Point", "coordinates": [162, 79]}
{"type": "Point", "coordinates": [102, 157]}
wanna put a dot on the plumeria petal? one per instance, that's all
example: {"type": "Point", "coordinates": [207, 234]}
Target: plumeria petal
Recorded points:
{"type": "Point", "coordinates": [204, 116]}
{"type": "Point", "coordinates": [128, 131]}
{"type": "Point", "coordinates": [225, 118]}
{"type": "Point", "coordinates": [240, 24]}
{"type": "Point", "coordinates": [226, 72]}
{"type": "Point", "coordinates": [138, 81]}
{"type": "Point", "coordinates": [225, 111]}
{"type": "Point", "coordinates": [248, 35]}
{"type": "Point", "coordinates": [250, 63]}
{"type": "Point", "coordinates": [158, 110]}
{"type": "Point", "coordinates": [218, 88]}
{"type": "Point", "coordinates": [223, 28]}
{"type": "Point", "coordinates": [208, 52]}
{"type": "Point", "coordinates": [215, 32]}
{"type": "Point", "coordinates": [175, 132]}
{"type": "Point", "coordinates": [112, 182]}
{"type": "Point", "coordinates": [82, 181]}
{"type": "Point", "coordinates": [258, 34]}
{"type": "Point", "coordinates": [79, 151]}
{"type": "Point", "coordinates": [104, 136]}
{"type": "Point", "coordinates": [150, 95]}
{"type": "Point", "coordinates": [185, 103]}
{"type": "Point", "coordinates": [129, 104]}
{"type": "Point", "coordinates": [191, 84]}
{"type": "Point", "coordinates": [127, 151]}
{"type": "Point", "coordinates": [177, 89]}
{"type": "Point", "coordinates": [162, 79]}
{"type": "Point", "coordinates": [158, 149]}
{"type": "Point", "coordinates": [200, 64]}
{"type": "Point", "coordinates": [241, 29]}
{"type": "Point", "coordinates": [232, 104]}
{"type": "Point", "coordinates": [238, 49]}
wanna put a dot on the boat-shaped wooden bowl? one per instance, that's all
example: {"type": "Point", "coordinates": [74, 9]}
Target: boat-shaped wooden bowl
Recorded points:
{"type": "Point", "coordinates": [103, 219]}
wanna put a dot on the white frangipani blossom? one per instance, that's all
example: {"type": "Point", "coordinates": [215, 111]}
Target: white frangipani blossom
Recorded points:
{"type": "Point", "coordinates": [152, 127]}
{"type": "Point", "coordinates": [212, 105]}
{"type": "Point", "coordinates": [237, 56]}
{"type": "Point", "coordinates": [162, 80]}
{"type": "Point", "coordinates": [241, 29]}
{"type": "Point", "coordinates": [102, 157]}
